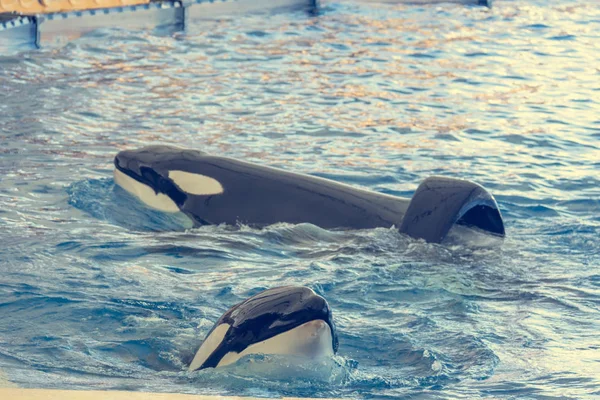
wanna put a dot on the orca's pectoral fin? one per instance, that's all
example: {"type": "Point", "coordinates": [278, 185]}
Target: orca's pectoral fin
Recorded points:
{"type": "Point", "coordinates": [441, 202]}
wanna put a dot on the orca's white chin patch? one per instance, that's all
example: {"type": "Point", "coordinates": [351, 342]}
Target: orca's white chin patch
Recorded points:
{"type": "Point", "coordinates": [208, 346]}
{"type": "Point", "coordinates": [312, 339]}
{"type": "Point", "coordinates": [158, 201]}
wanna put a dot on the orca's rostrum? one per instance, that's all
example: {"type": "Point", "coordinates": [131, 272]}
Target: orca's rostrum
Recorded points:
{"type": "Point", "coordinates": [287, 320]}
{"type": "Point", "coordinates": [215, 190]}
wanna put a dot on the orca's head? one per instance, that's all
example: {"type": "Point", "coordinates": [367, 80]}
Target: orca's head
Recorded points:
{"type": "Point", "coordinates": [289, 320]}
{"type": "Point", "coordinates": [162, 176]}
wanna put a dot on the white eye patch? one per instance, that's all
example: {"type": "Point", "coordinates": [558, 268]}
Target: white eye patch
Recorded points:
{"type": "Point", "coordinates": [197, 184]}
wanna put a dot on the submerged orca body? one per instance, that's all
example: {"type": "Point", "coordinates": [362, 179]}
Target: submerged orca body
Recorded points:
{"type": "Point", "coordinates": [289, 320]}
{"type": "Point", "coordinates": [214, 190]}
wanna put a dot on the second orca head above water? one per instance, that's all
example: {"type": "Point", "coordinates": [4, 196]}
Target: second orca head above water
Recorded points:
{"type": "Point", "coordinates": [162, 177]}
{"type": "Point", "coordinates": [288, 320]}
{"type": "Point", "coordinates": [214, 190]}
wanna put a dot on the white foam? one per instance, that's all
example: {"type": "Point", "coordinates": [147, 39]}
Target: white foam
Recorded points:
{"type": "Point", "coordinates": [197, 184]}
{"type": "Point", "coordinates": [145, 193]}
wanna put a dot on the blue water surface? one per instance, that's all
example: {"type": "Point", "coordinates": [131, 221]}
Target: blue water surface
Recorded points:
{"type": "Point", "coordinates": [99, 292]}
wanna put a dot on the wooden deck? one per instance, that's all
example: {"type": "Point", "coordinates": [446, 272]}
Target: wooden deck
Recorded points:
{"type": "Point", "coordinates": [31, 7]}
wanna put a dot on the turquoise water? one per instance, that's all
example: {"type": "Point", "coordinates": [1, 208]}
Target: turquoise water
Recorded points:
{"type": "Point", "coordinates": [99, 292]}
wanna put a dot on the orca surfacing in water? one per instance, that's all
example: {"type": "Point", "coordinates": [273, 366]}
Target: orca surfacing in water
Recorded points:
{"type": "Point", "coordinates": [288, 320]}
{"type": "Point", "coordinates": [214, 190]}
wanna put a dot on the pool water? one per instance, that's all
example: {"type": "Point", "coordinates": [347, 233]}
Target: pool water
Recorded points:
{"type": "Point", "coordinates": [99, 292]}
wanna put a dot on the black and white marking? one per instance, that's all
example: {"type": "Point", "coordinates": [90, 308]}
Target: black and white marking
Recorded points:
{"type": "Point", "coordinates": [216, 190]}
{"type": "Point", "coordinates": [289, 320]}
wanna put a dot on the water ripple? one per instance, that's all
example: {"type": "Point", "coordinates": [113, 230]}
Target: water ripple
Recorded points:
{"type": "Point", "coordinates": [100, 292]}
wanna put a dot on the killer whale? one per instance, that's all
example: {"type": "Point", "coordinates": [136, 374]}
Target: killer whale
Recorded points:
{"type": "Point", "coordinates": [289, 320]}
{"type": "Point", "coordinates": [214, 190]}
